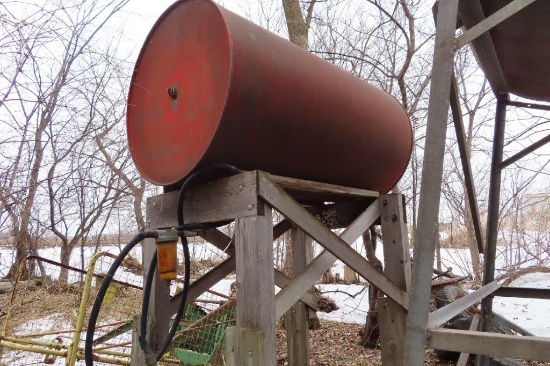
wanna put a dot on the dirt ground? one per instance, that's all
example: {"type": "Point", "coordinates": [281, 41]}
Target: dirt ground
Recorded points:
{"type": "Point", "coordinates": [335, 344]}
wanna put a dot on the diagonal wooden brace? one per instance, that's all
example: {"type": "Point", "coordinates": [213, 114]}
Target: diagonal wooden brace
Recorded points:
{"type": "Point", "coordinates": [336, 247]}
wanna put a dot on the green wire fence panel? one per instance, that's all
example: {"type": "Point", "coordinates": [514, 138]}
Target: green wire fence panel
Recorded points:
{"type": "Point", "coordinates": [202, 341]}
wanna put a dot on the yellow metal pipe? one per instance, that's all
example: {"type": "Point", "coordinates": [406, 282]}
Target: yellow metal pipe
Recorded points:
{"type": "Point", "coordinates": [35, 342]}
{"type": "Point", "coordinates": [33, 335]}
{"type": "Point", "coordinates": [12, 297]}
{"type": "Point", "coordinates": [34, 349]}
{"type": "Point", "coordinates": [98, 349]}
{"type": "Point", "coordinates": [47, 348]}
{"type": "Point", "coordinates": [110, 360]}
{"type": "Point", "coordinates": [73, 348]}
{"type": "Point", "coordinates": [111, 353]}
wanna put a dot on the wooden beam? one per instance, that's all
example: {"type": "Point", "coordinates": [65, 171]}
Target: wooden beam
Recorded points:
{"type": "Point", "coordinates": [224, 242]}
{"type": "Point", "coordinates": [162, 209]}
{"type": "Point", "coordinates": [319, 265]}
{"type": "Point", "coordinates": [397, 268]}
{"type": "Point", "coordinates": [490, 344]}
{"type": "Point", "coordinates": [296, 322]}
{"type": "Point", "coordinates": [160, 290]}
{"type": "Point", "coordinates": [463, 359]}
{"type": "Point", "coordinates": [392, 331]}
{"type": "Point", "coordinates": [222, 199]}
{"type": "Point", "coordinates": [301, 185]}
{"type": "Point", "coordinates": [449, 311]}
{"type": "Point", "coordinates": [205, 282]}
{"type": "Point", "coordinates": [492, 21]}
{"type": "Point", "coordinates": [395, 240]}
{"type": "Point", "coordinates": [338, 246]}
{"type": "Point", "coordinates": [137, 356]}
{"type": "Point", "coordinates": [244, 347]}
{"type": "Point", "coordinates": [255, 280]}
{"type": "Point", "coordinates": [308, 297]}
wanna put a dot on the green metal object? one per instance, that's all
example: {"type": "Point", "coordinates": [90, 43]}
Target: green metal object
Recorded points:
{"type": "Point", "coordinates": [199, 343]}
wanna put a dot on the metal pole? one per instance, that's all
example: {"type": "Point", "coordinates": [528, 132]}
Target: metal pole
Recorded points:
{"type": "Point", "coordinates": [465, 159]}
{"type": "Point", "coordinates": [542, 107]}
{"type": "Point", "coordinates": [492, 218]}
{"type": "Point", "coordinates": [432, 172]}
{"type": "Point", "coordinates": [524, 152]}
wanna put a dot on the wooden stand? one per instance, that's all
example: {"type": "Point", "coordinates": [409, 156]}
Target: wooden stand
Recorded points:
{"type": "Point", "coordinates": [249, 199]}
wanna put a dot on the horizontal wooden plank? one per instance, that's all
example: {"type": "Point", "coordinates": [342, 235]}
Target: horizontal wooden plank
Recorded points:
{"type": "Point", "coordinates": [294, 186]}
{"type": "Point", "coordinates": [223, 199]}
{"type": "Point", "coordinates": [219, 200]}
{"type": "Point", "coordinates": [161, 210]}
{"type": "Point", "coordinates": [338, 246]}
{"type": "Point", "coordinates": [490, 344]}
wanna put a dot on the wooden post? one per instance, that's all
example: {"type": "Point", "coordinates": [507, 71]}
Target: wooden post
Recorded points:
{"type": "Point", "coordinates": [350, 277]}
{"type": "Point", "coordinates": [392, 316]}
{"type": "Point", "coordinates": [296, 321]}
{"type": "Point", "coordinates": [245, 347]}
{"type": "Point", "coordinates": [160, 291]}
{"type": "Point", "coordinates": [137, 357]}
{"type": "Point", "coordinates": [255, 292]}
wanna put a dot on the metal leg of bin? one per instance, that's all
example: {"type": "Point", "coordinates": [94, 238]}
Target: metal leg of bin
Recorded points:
{"type": "Point", "coordinates": [427, 230]}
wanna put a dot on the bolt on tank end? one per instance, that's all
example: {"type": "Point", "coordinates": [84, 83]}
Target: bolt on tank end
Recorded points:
{"type": "Point", "coordinates": [167, 254]}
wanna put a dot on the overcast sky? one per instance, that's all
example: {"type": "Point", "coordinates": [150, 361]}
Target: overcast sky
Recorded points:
{"type": "Point", "coordinates": [139, 16]}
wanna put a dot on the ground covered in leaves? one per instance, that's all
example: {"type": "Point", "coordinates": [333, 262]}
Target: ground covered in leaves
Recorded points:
{"type": "Point", "coordinates": [335, 344]}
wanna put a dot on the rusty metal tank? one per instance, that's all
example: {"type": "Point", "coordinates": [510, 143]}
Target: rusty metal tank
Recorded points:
{"type": "Point", "coordinates": [212, 87]}
{"type": "Point", "coordinates": [522, 46]}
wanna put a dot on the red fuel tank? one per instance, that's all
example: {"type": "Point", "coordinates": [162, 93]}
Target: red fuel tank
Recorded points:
{"type": "Point", "coordinates": [212, 87]}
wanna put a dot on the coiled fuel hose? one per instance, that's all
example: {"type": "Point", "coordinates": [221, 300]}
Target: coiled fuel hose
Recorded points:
{"type": "Point", "coordinates": [151, 358]}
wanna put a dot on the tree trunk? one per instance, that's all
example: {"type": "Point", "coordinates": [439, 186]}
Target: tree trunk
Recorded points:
{"type": "Point", "coordinates": [22, 250]}
{"type": "Point", "coordinates": [297, 26]}
{"type": "Point", "coordinates": [65, 256]}
{"type": "Point", "coordinates": [371, 332]}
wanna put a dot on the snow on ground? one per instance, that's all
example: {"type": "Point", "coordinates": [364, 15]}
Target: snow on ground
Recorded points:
{"type": "Point", "coordinates": [531, 314]}
{"type": "Point", "coordinates": [352, 300]}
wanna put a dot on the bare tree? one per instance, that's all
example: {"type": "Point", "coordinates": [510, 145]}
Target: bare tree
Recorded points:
{"type": "Point", "coordinates": [47, 42]}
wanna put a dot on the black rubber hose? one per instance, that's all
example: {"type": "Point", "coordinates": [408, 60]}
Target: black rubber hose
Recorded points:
{"type": "Point", "coordinates": [149, 354]}
{"type": "Point", "coordinates": [88, 352]}
{"type": "Point", "coordinates": [225, 169]}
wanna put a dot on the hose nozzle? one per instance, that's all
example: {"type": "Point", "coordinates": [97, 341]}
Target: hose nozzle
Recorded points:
{"type": "Point", "coordinates": [167, 254]}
